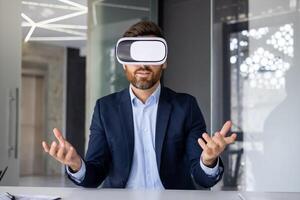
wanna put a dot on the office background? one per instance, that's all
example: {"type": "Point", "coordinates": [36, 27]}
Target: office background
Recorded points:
{"type": "Point", "coordinates": [237, 57]}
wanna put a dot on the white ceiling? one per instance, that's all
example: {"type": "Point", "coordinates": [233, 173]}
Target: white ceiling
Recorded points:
{"type": "Point", "coordinates": [57, 22]}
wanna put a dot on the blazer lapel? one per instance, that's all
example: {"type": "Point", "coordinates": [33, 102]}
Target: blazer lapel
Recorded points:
{"type": "Point", "coordinates": [163, 115]}
{"type": "Point", "coordinates": [126, 116]}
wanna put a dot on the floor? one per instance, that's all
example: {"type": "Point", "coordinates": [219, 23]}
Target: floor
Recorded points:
{"type": "Point", "coordinates": [46, 181]}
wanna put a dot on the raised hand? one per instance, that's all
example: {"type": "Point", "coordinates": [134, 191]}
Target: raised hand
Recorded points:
{"type": "Point", "coordinates": [63, 152]}
{"type": "Point", "coordinates": [215, 145]}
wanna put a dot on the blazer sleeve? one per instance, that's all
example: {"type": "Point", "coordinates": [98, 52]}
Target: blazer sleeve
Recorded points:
{"type": "Point", "coordinates": [98, 157]}
{"type": "Point", "coordinates": [196, 128]}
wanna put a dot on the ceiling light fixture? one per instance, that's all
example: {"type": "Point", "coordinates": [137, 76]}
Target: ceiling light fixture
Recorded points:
{"type": "Point", "coordinates": [46, 5]}
{"type": "Point", "coordinates": [64, 30]}
{"type": "Point", "coordinates": [33, 26]}
{"type": "Point", "coordinates": [68, 16]}
{"type": "Point", "coordinates": [64, 26]}
{"type": "Point", "coordinates": [264, 70]}
{"type": "Point", "coordinates": [74, 4]}
{"type": "Point", "coordinates": [56, 38]}
{"type": "Point", "coordinates": [283, 40]}
{"type": "Point", "coordinates": [125, 6]}
{"type": "Point", "coordinates": [46, 24]}
{"type": "Point", "coordinates": [29, 33]}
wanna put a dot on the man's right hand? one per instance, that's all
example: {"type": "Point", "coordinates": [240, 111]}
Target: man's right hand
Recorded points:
{"type": "Point", "coordinates": [64, 152]}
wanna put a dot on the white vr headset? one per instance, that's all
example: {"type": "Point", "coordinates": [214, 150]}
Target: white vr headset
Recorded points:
{"type": "Point", "coordinates": [141, 50]}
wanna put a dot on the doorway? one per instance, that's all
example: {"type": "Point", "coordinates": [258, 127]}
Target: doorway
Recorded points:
{"type": "Point", "coordinates": [33, 104]}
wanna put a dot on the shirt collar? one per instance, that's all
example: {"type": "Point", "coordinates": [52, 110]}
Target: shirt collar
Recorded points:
{"type": "Point", "coordinates": [155, 95]}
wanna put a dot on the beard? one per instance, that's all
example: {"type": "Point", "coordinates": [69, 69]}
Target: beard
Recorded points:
{"type": "Point", "coordinates": [143, 82]}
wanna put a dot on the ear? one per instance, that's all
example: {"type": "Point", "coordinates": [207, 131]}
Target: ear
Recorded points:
{"type": "Point", "coordinates": [164, 66]}
{"type": "Point", "coordinates": [124, 67]}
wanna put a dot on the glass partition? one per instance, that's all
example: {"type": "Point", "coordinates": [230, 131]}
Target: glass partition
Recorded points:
{"type": "Point", "coordinates": [260, 67]}
{"type": "Point", "coordinates": [108, 20]}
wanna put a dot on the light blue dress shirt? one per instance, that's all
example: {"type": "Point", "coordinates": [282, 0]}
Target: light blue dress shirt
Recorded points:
{"type": "Point", "coordinates": [144, 172]}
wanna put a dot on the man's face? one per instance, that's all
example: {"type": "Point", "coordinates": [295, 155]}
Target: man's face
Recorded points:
{"type": "Point", "coordinates": [143, 76]}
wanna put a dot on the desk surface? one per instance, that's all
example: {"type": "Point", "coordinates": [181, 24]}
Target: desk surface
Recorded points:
{"type": "Point", "coordinates": [121, 194]}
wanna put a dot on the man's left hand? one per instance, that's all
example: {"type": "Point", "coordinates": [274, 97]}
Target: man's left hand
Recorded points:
{"type": "Point", "coordinates": [215, 145]}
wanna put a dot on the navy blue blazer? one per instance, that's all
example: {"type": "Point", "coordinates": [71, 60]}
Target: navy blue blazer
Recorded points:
{"type": "Point", "coordinates": [179, 125]}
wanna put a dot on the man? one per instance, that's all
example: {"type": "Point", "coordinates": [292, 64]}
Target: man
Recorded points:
{"type": "Point", "coordinates": [146, 136]}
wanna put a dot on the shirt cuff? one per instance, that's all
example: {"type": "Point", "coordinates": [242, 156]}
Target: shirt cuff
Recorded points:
{"type": "Point", "coordinates": [210, 171]}
{"type": "Point", "coordinates": [78, 176]}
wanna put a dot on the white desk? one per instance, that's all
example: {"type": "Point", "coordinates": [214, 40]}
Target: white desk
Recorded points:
{"type": "Point", "coordinates": [121, 194]}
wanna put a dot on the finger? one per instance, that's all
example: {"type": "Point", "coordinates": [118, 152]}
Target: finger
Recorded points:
{"type": "Point", "coordinates": [207, 138]}
{"type": "Point", "coordinates": [206, 150]}
{"type": "Point", "coordinates": [202, 144]}
{"type": "Point", "coordinates": [45, 146]}
{"type": "Point", "coordinates": [211, 145]}
{"type": "Point", "coordinates": [53, 149]}
{"type": "Point", "coordinates": [219, 140]}
{"type": "Point", "coordinates": [69, 154]}
{"type": "Point", "coordinates": [230, 139]}
{"type": "Point", "coordinates": [225, 129]}
{"type": "Point", "coordinates": [59, 136]}
{"type": "Point", "coordinates": [60, 153]}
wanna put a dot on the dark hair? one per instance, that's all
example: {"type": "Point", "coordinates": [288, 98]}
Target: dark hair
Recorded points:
{"type": "Point", "coordinates": [144, 28]}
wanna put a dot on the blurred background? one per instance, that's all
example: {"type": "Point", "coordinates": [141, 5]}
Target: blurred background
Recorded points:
{"type": "Point", "coordinates": [237, 57]}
